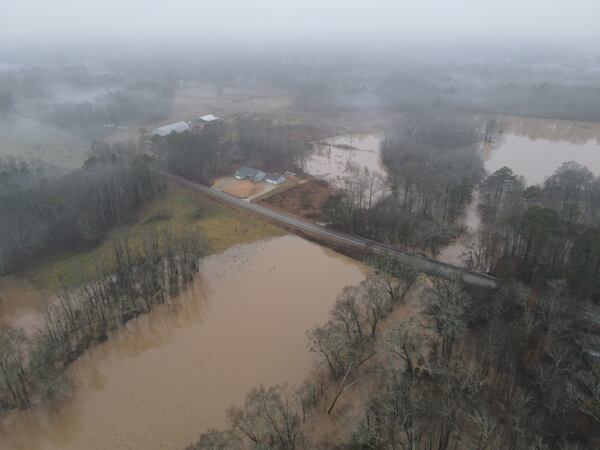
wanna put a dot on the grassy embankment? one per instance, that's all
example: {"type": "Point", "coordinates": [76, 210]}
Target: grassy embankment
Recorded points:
{"type": "Point", "coordinates": [179, 212]}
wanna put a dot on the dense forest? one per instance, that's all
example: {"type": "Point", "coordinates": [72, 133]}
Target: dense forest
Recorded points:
{"type": "Point", "coordinates": [539, 232]}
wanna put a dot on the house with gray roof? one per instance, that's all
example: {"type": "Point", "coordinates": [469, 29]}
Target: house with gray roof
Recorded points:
{"type": "Point", "coordinates": [274, 178]}
{"type": "Point", "coordinates": [248, 173]}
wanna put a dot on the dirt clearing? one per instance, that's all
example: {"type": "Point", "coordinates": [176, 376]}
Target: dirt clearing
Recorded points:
{"type": "Point", "coordinates": [244, 188]}
{"type": "Point", "coordinates": [304, 200]}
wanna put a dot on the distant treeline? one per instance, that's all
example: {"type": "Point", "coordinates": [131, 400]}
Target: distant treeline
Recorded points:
{"type": "Point", "coordinates": [515, 90]}
{"type": "Point", "coordinates": [40, 215]}
{"type": "Point", "coordinates": [139, 103]}
{"type": "Point", "coordinates": [554, 89]}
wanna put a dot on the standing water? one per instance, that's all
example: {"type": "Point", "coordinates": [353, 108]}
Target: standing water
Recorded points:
{"type": "Point", "coordinates": [171, 374]}
{"type": "Point", "coordinates": [20, 304]}
{"type": "Point", "coordinates": [331, 156]}
{"type": "Point", "coordinates": [533, 148]}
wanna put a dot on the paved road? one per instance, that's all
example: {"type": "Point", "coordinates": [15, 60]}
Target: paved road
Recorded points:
{"type": "Point", "coordinates": [419, 262]}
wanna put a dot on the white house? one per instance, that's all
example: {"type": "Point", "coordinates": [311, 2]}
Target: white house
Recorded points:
{"type": "Point", "coordinates": [176, 127]}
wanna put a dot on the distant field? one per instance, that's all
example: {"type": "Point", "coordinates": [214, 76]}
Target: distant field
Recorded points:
{"type": "Point", "coordinates": [28, 139]}
{"type": "Point", "coordinates": [179, 211]}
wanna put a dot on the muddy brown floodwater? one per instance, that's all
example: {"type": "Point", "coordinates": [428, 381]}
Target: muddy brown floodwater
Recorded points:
{"type": "Point", "coordinates": [20, 303]}
{"type": "Point", "coordinates": [331, 156]}
{"type": "Point", "coordinates": [171, 374]}
{"type": "Point", "coordinates": [535, 148]}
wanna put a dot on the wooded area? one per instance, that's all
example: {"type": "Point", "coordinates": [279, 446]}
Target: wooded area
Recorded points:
{"type": "Point", "coordinates": [432, 166]}
{"type": "Point", "coordinates": [42, 216]}
{"type": "Point", "coordinates": [542, 232]}
{"type": "Point", "coordinates": [220, 148]}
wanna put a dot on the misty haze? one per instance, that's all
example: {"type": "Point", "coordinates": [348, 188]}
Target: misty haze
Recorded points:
{"type": "Point", "coordinates": [296, 225]}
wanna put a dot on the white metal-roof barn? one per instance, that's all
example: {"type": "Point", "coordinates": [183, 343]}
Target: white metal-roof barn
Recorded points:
{"type": "Point", "coordinates": [176, 127]}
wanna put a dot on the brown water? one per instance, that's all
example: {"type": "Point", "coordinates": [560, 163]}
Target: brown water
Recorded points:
{"type": "Point", "coordinates": [331, 156]}
{"type": "Point", "coordinates": [168, 376]}
{"type": "Point", "coordinates": [455, 252]}
{"type": "Point", "coordinates": [535, 148]}
{"type": "Point", "coordinates": [20, 303]}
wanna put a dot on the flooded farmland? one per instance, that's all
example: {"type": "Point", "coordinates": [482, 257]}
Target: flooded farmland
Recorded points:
{"type": "Point", "coordinates": [331, 157]}
{"type": "Point", "coordinates": [171, 374]}
{"type": "Point", "coordinates": [20, 303]}
{"type": "Point", "coordinates": [535, 148]}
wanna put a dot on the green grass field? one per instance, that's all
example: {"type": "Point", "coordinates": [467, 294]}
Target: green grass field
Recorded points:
{"type": "Point", "coordinates": [179, 211]}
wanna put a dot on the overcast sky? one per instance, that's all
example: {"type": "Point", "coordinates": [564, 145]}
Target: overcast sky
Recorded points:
{"type": "Point", "coordinates": [43, 20]}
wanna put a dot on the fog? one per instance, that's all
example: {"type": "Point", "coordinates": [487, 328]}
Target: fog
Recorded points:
{"type": "Point", "coordinates": [35, 21]}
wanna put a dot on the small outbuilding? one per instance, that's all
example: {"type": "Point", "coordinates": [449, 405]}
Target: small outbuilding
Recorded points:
{"type": "Point", "coordinates": [177, 127]}
{"type": "Point", "coordinates": [208, 118]}
{"type": "Point", "coordinates": [274, 178]}
{"type": "Point", "coordinates": [248, 173]}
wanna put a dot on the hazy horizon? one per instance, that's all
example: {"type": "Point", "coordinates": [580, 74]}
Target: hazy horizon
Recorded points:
{"type": "Point", "coordinates": [31, 22]}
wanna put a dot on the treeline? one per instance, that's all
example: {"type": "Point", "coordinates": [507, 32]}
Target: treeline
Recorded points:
{"type": "Point", "coordinates": [541, 232]}
{"type": "Point", "coordinates": [485, 85]}
{"type": "Point", "coordinates": [42, 215]}
{"type": "Point", "coordinates": [139, 103]}
{"type": "Point", "coordinates": [482, 370]}
{"type": "Point", "coordinates": [218, 148]}
{"type": "Point", "coordinates": [432, 167]}
{"type": "Point", "coordinates": [502, 372]}
{"type": "Point", "coordinates": [32, 369]}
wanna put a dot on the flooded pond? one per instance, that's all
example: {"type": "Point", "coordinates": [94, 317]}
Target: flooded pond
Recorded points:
{"type": "Point", "coordinates": [535, 148]}
{"type": "Point", "coordinates": [171, 374]}
{"type": "Point", "coordinates": [331, 156]}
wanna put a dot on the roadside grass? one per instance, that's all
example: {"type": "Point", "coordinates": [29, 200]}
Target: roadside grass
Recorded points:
{"type": "Point", "coordinates": [178, 212]}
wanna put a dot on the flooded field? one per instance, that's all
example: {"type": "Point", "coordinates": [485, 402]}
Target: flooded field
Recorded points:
{"type": "Point", "coordinates": [331, 156]}
{"type": "Point", "coordinates": [20, 303]}
{"type": "Point", "coordinates": [171, 374]}
{"type": "Point", "coordinates": [535, 148]}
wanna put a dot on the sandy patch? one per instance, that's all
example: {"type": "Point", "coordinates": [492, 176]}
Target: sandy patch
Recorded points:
{"type": "Point", "coordinates": [244, 188]}
{"type": "Point", "coordinates": [222, 183]}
